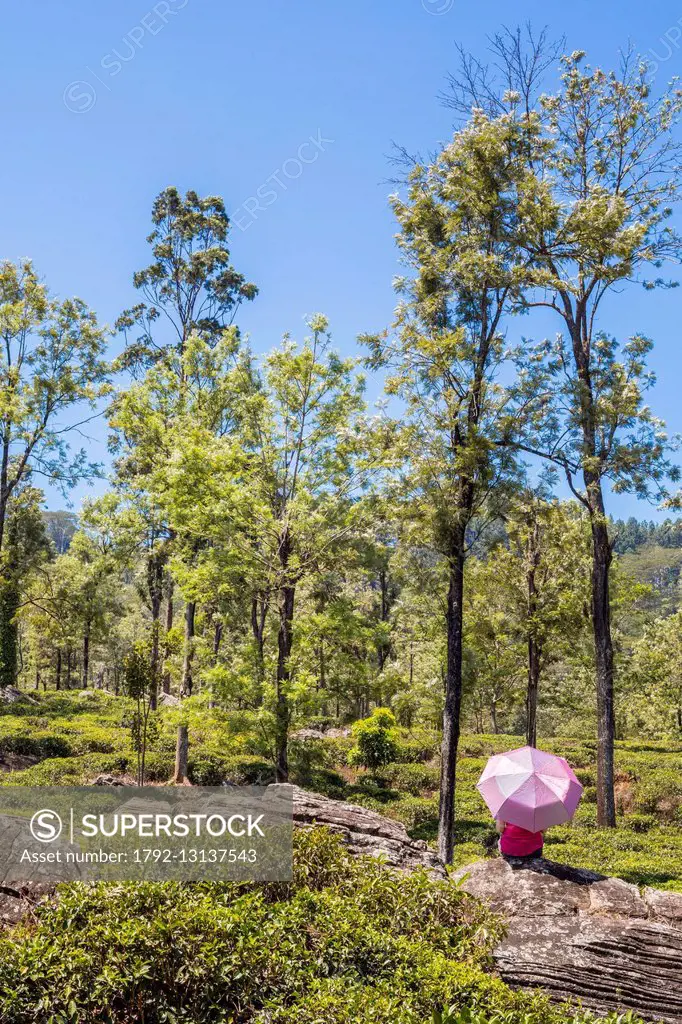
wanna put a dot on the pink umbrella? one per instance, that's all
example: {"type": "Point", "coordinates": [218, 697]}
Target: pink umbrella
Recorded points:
{"type": "Point", "coordinates": [530, 788]}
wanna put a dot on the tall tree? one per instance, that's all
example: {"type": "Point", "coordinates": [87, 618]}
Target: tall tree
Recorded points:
{"type": "Point", "coordinates": [605, 160]}
{"type": "Point", "coordinates": [460, 230]}
{"type": "Point", "coordinates": [607, 171]}
{"type": "Point", "coordinates": [26, 548]}
{"type": "Point", "coordinates": [51, 364]}
{"type": "Point", "coordinates": [277, 496]}
{"type": "Point", "coordinates": [191, 290]}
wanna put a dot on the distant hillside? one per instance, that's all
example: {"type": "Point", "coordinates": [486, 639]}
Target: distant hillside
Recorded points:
{"type": "Point", "coordinates": [631, 534]}
{"type": "Point", "coordinates": [661, 568]}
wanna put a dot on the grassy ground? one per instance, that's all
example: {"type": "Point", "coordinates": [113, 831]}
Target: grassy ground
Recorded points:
{"type": "Point", "coordinates": [74, 736]}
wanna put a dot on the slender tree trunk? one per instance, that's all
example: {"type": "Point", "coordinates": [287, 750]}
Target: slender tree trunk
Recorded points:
{"type": "Point", "coordinates": [284, 646]}
{"type": "Point", "coordinates": [155, 587]}
{"type": "Point", "coordinates": [58, 670]}
{"type": "Point", "coordinates": [68, 668]}
{"type": "Point", "coordinates": [86, 657]}
{"type": "Point", "coordinates": [453, 700]}
{"type": "Point", "coordinates": [322, 682]}
{"type": "Point", "coordinates": [603, 645]}
{"type": "Point", "coordinates": [166, 682]}
{"type": "Point", "coordinates": [533, 689]}
{"type": "Point", "coordinates": [181, 754]}
{"type": "Point", "coordinates": [532, 693]}
{"type": "Point", "coordinates": [187, 680]}
{"type": "Point", "coordinates": [259, 612]}
{"type": "Point", "coordinates": [601, 565]}
{"type": "Point", "coordinates": [217, 640]}
{"type": "Point", "coordinates": [383, 651]}
{"type": "Point", "coordinates": [4, 480]}
{"type": "Point", "coordinates": [9, 631]}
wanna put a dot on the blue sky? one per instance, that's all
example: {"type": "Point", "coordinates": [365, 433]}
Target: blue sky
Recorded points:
{"type": "Point", "coordinates": [106, 103]}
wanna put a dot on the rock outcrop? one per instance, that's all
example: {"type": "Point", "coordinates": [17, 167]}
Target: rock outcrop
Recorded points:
{"type": "Point", "coordinates": [366, 832]}
{"type": "Point", "coordinates": [580, 935]}
{"type": "Point", "coordinates": [10, 695]}
{"type": "Point", "coordinates": [16, 904]}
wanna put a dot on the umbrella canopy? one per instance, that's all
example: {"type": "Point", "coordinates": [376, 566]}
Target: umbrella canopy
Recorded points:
{"type": "Point", "coordinates": [529, 788]}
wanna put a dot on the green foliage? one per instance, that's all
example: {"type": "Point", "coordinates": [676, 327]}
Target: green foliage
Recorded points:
{"type": "Point", "coordinates": [347, 939]}
{"type": "Point", "coordinates": [375, 738]}
{"type": "Point", "coordinates": [411, 778]}
{"type": "Point", "coordinates": [37, 745]}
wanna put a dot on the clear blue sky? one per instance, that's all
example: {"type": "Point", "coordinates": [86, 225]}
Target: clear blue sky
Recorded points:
{"type": "Point", "coordinates": [105, 103]}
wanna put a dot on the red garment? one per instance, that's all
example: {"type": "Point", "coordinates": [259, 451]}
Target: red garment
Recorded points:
{"type": "Point", "coordinates": [519, 842]}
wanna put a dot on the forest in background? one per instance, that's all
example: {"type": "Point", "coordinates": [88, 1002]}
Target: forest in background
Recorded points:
{"type": "Point", "coordinates": [272, 548]}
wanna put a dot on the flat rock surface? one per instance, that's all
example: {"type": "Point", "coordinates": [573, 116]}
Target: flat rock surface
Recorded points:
{"type": "Point", "coordinates": [577, 934]}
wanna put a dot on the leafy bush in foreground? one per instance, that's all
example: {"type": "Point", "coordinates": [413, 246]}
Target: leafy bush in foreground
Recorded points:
{"type": "Point", "coordinates": [347, 942]}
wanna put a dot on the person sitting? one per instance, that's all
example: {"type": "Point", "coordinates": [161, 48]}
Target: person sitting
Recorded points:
{"type": "Point", "coordinates": [518, 846]}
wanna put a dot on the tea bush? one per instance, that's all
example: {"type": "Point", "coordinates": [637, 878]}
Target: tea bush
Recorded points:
{"type": "Point", "coordinates": [411, 778]}
{"type": "Point", "coordinates": [346, 942]}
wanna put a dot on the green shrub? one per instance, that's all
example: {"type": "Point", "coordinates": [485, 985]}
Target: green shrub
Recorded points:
{"type": "Point", "coordinates": [339, 748]}
{"type": "Point", "coordinates": [411, 778]}
{"type": "Point", "coordinates": [247, 770]}
{"type": "Point", "coordinates": [347, 942]}
{"type": "Point", "coordinates": [205, 769]}
{"type": "Point", "coordinates": [640, 822]}
{"type": "Point", "coordinates": [376, 740]}
{"type": "Point", "coordinates": [68, 771]}
{"type": "Point", "coordinates": [36, 746]}
{"type": "Point", "coordinates": [660, 794]}
{"type": "Point", "coordinates": [158, 766]}
{"type": "Point", "coordinates": [416, 812]}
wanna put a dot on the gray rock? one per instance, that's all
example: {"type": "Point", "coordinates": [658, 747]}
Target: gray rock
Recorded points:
{"type": "Point", "coordinates": [577, 934]}
{"type": "Point", "coordinates": [10, 695]}
{"type": "Point", "coordinates": [366, 832]}
{"type": "Point", "coordinates": [308, 734]}
{"type": "Point", "coordinates": [168, 700]}
{"type": "Point", "coordinates": [16, 904]}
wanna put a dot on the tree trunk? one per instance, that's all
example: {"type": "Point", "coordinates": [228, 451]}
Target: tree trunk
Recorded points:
{"type": "Point", "coordinates": [166, 682]}
{"type": "Point", "coordinates": [603, 645]}
{"type": "Point", "coordinates": [383, 652]}
{"type": "Point", "coordinates": [453, 700]}
{"type": "Point", "coordinates": [86, 658]}
{"type": "Point", "coordinates": [533, 645]}
{"type": "Point", "coordinates": [68, 669]}
{"type": "Point", "coordinates": [284, 646]}
{"type": "Point", "coordinates": [217, 640]}
{"type": "Point", "coordinates": [155, 586]}
{"type": "Point", "coordinates": [322, 681]}
{"type": "Point", "coordinates": [9, 632]}
{"type": "Point", "coordinates": [58, 670]}
{"type": "Point", "coordinates": [601, 564]}
{"type": "Point", "coordinates": [259, 612]}
{"type": "Point", "coordinates": [532, 692]}
{"type": "Point", "coordinates": [187, 680]}
{"type": "Point", "coordinates": [181, 755]}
